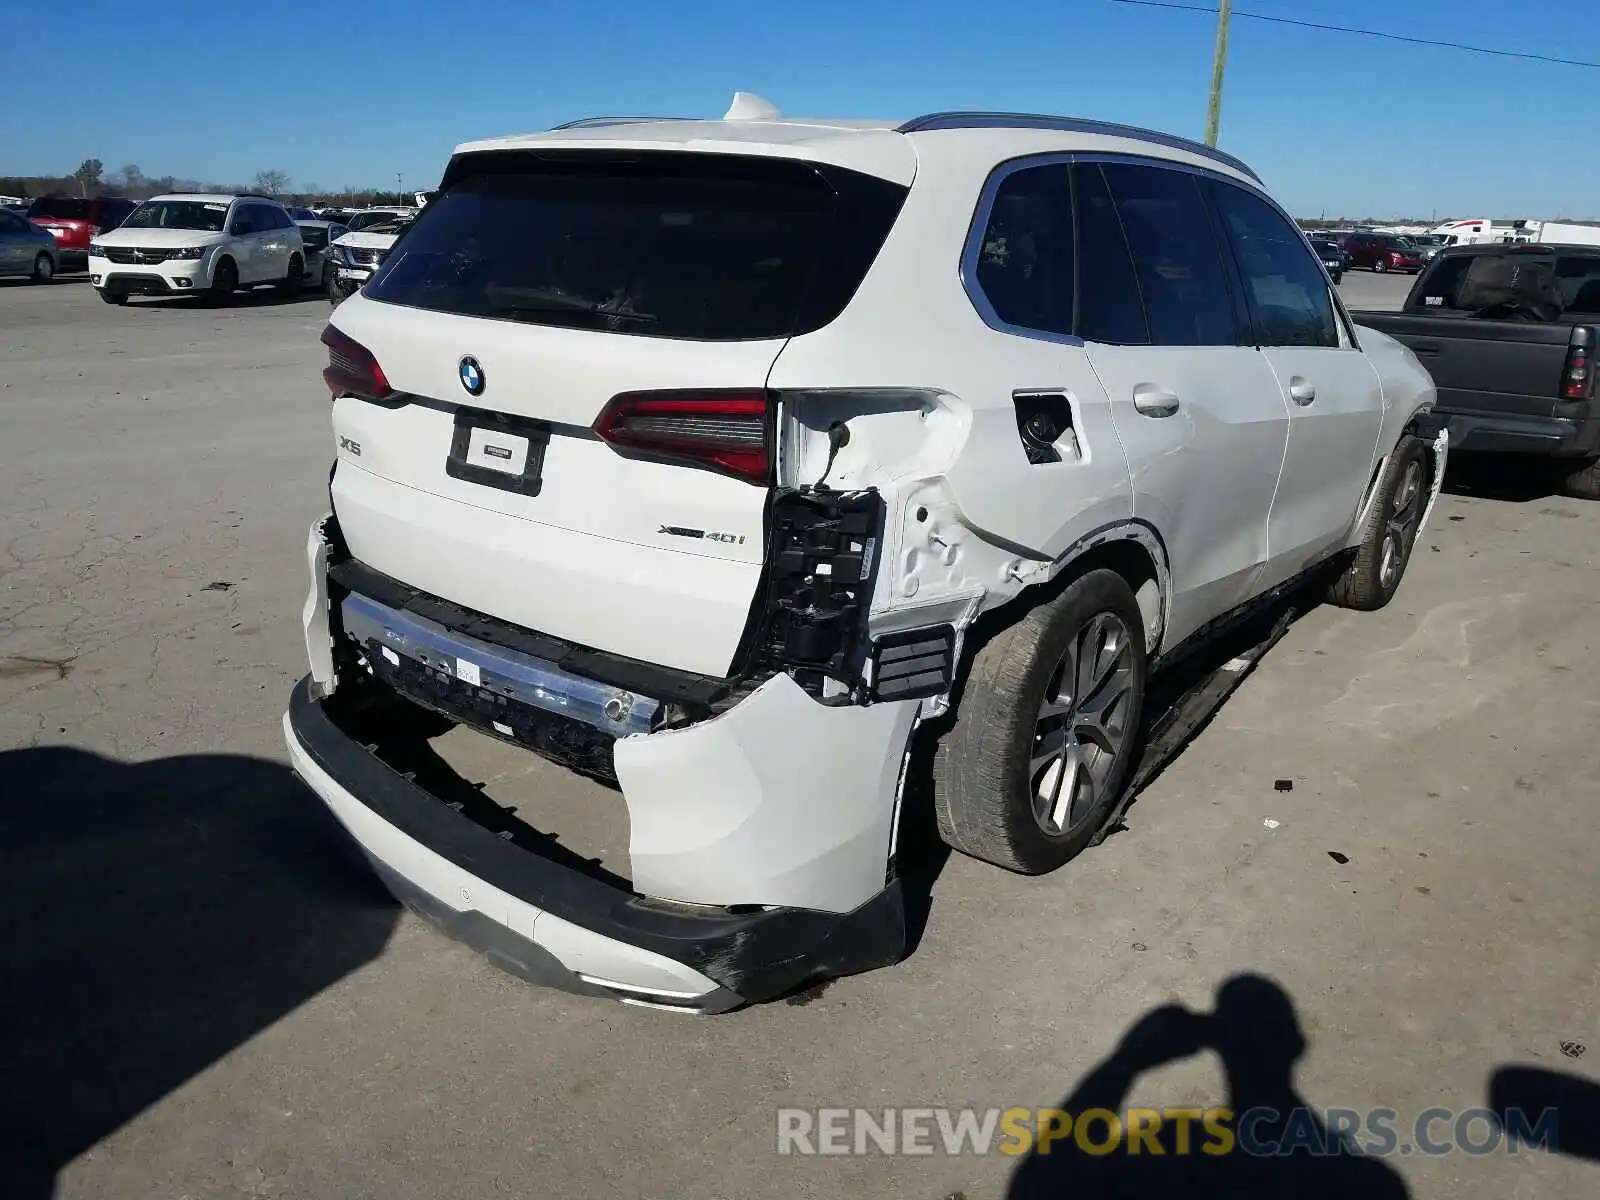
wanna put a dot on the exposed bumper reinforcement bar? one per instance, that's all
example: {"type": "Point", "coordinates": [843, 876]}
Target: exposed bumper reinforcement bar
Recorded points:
{"type": "Point", "coordinates": [554, 924]}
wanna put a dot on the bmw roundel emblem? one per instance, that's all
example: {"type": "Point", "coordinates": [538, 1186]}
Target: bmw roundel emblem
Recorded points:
{"type": "Point", "coordinates": [471, 376]}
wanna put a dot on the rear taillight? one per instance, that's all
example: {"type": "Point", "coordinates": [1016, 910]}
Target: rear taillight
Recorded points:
{"type": "Point", "coordinates": [351, 369]}
{"type": "Point", "coordinates": [1577, 377]}
{"type": "Point", "coordinates": [726, 430]}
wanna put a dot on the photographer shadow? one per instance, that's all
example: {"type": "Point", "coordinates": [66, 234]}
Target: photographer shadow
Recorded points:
{"type": "Point", "coordinates": [1254, 1030]}
{"type": "Point", "coordinates": [157, 915]}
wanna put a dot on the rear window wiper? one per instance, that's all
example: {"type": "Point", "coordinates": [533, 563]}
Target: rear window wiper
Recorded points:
{"type": "Point", "coordinates": [531, 303]}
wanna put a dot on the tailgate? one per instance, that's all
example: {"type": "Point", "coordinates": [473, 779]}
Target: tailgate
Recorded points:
{"type": "Point", "coordinates": [1511, 367]}
{"type": "Point", "coordinates": [574, 433]}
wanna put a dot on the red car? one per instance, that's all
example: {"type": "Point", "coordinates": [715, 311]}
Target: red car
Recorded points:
{"type": "Point", "coordinates": [1383, 252]}
{"type": "Point", "coordinates": [73, 221]}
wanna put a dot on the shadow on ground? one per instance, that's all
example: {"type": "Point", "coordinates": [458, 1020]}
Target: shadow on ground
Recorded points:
{"type": "Point", "coordinates": [1254, 1030]}
{"type": "Point", "coordinates": [1509, 478]}
{"type": "Point", "coordinates": [1274, 1144]}
{"type": "Point", "coordinates": [1180, 702]}
{"type": "Point", "coordinates": [156, 916]}
{"type": "Point", "coordinates": [258, 297]}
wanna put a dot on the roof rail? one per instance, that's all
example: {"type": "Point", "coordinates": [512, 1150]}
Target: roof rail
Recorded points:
{"type": "Point", "coordinates": [596, 122]}
{"type": "Point", "coordinates": [255, 196]}
{"type": "Point", "coordinates": [998, 120]}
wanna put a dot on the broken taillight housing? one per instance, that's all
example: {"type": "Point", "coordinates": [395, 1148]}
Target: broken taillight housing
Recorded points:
{"type": "Point", "coordinates": [352, 370]}
{"type": "Point", "coordinates": [727, 430]}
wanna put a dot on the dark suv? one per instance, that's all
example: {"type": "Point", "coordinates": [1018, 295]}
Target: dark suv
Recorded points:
{"type": "Point", "coordinates": [74, 220]}
{"type": "Point", "coordinates": [1383, 252]}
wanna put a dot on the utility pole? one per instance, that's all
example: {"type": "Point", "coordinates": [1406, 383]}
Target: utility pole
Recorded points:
{"type": "Point", "coordinates": [1219, 64]}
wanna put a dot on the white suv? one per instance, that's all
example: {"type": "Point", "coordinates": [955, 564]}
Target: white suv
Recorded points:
{"type": "Point", "coordinates": [716, 457]}
{"type": "Point", "coordinates": [197, 244]}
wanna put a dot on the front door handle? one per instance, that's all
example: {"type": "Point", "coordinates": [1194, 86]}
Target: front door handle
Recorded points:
{"type": "Point", "coordinates": [1155, 401]}
{"type": "Point", "coordinates": [1301, 391]}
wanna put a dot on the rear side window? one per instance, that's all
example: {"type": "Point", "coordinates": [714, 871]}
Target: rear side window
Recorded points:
{"type": "Point", "coordinates": [1109, 307]}
{"type": "Point", "coordinates": [1579, 280]}
{"type": "Point", "coordinates": [1284, 283]}
{"type": "Point", "coordinates": [1025, 267]}
{"type": "Point", "coordinates": [679, 245]}
{"type": "Point", "coordinates": [244, 221]}
{"type": "Point", "coordinates": [1175, 255]}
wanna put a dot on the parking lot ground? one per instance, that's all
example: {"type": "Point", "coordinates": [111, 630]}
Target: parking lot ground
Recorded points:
{"type": "Point", "coordinates": [203, 997]}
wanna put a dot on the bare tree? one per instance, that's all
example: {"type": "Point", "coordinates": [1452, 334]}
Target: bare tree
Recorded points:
{"type": "Point", "coordinates": [272, 183]}
{"type": "Point", "coordinates": [88, 175]}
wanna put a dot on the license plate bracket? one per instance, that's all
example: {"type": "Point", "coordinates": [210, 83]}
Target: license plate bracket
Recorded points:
{"type": "Point", "coordinates": [472, 447]}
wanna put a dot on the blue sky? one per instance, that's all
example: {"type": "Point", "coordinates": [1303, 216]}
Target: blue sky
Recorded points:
{"type": "Point", "coordinates": [339, 94]}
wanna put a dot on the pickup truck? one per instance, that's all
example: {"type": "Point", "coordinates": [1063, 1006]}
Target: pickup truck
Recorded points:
{"type": "Point", "coordinates": [1509, 334]}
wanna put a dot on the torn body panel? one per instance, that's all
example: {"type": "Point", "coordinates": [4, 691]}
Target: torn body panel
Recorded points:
{"type": "Point", "coordinates": [779, 801]}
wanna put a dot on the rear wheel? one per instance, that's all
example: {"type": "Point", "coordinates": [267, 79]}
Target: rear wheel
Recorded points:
{"type": "Point", "coordinates": [44, 269]}
{"type": "Point", "coordinates": [1043, 740]}
{"type": "Point", "coordinates": [224, 283]}
{"type": "Point", "coordinates": [291, 283]}
{"type": "Point", "coordinates": [1584, 481]}
{"type": "Point", "coordinates": [1380, 266]}
{"type": "Point", "coordinates": [1374, 575]}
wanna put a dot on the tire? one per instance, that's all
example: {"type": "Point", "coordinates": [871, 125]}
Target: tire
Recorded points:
{"type": "Point", "coordinates": [1583, 483]}
{"type": "Point", "coordinates": [224, 283]}
{"type": "Point", "coordinates": [43, 269]}
{"type": "Point", "coordinates": [1380, 266]}
{"type": "Point", "coordinates": [291, 283]}
{"type": "Point", "coordinates": [1374, 574]}
{"type": "Point", "coordinates": [991, 770]}
{"type": "Point", "coordinates": [113, 297]}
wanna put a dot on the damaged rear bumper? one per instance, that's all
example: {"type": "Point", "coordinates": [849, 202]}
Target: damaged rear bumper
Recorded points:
{"type": "Point", "coordinates": [555, 924]}
{"type": "Point", "coordinates": [761, 832]}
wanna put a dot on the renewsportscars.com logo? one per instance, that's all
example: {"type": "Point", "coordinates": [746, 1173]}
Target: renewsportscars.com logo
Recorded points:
{"type": "Point", "coordinates": [1258, 1132]}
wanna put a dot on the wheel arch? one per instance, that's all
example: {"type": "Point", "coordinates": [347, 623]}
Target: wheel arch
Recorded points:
{"type": "Point", "coordinates": [1132, 549]}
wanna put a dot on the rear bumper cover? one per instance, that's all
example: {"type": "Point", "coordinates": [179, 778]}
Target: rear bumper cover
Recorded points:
{"type": "Point", "coordinates": [1478, 432]}
{"type": "Point", "coordinates": [555, 924]}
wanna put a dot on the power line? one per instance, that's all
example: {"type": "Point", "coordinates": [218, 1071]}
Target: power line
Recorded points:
{"type": "Point", "coordinates": [1375, 33]}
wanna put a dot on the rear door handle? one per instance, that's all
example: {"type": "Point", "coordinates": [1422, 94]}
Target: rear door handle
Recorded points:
{"type": "Point", "coordinates": [1155, 401]}
{"type": "Point", "coordinates": [1301, 391]}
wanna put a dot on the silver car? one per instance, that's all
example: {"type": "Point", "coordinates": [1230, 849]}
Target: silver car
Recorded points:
{"type": "Point", "coordinates": [316, 236]}
{"type": "Point", "coordinates": [25, 249]}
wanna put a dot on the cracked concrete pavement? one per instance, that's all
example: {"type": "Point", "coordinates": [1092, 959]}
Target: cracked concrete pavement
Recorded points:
{"type": "Point", "coordinates": [207, 1006]}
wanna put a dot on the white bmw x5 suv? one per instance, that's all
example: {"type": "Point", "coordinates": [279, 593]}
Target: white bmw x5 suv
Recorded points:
{"type": "Point", "coordinates": [713, 458]}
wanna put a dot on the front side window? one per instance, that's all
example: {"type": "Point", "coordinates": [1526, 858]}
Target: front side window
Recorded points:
{"type": "Point", "coordinates": [1025, 261]}
{"type": "Point", "coordinates": [1175, 255]}
{"type": "Point", "coordinates": [1284, 284]}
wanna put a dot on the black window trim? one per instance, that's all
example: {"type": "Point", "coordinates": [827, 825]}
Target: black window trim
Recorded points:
{"type": "Point", "coordinates": [972, 248]}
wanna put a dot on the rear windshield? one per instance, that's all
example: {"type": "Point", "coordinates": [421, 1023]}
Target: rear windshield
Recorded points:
{"type": "Point", "coordinates": [61, 208]}
{"type": "Point", "coordinates": [314, 237]}
{"type": "Point", "coordinates": [696, 246]}
{"type": "Point", "coordinates": [1537, 286]}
